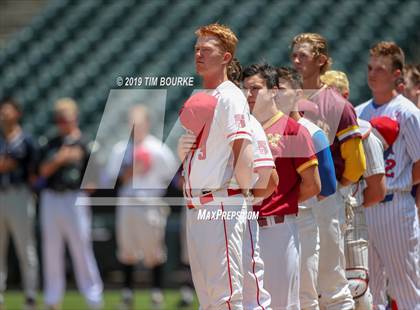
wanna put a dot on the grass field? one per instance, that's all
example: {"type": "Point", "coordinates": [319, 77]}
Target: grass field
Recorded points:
{"type": "Point", "coordinates": [74, 301]}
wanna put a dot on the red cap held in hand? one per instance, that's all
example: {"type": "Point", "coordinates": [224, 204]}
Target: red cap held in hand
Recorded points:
{"type": "Point", "coordinates": [197, 115]}
{"type": "Point", "coordinates": [386, 129]}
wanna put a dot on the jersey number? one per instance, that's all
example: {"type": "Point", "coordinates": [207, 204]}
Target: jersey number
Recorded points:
{"type": "Point", "coordinates": [390, 164]}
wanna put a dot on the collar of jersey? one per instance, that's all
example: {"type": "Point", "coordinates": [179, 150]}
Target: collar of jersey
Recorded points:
{"type": "Point", "coordinates": [272, 120]}
{"type": "Point", "coordinates": [316, 92]}
{"type": "Point", "coordinates": [377, 106]}
{"type": "Point", "coordinates": [224, 84]}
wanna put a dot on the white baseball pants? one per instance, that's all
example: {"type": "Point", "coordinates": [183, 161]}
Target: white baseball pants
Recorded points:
{"type": "Point", "coordinates": [215, 255]}
{"type": "Point", "coordinates": [280, 252]}
{"type": "Point", "coordinates": [255, 295]}
{"type": "Point", "coordinates": [17, 215]}
{"type": "Point", "coordinates": [62, 221]}
{"type": "Point", "coordinates": [394, 251]}
{"type": "Point", "coordinates": [140, 232]}
{"type": "Point", "coordinates": [309, 259]}
{"type": "Point", "coordinates": [332, 282]}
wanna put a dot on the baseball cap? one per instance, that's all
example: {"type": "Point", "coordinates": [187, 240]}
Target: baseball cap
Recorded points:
{"type": "Point", "coordinates": [386, 129]}
{"type": "Point", "coordinates": [197, 115]}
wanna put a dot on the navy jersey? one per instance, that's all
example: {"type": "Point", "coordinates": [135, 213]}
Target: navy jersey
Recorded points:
{"type": "Point", "coordinates": [23, 150]}
{"type": "Point", "coordinates": [69, 176]}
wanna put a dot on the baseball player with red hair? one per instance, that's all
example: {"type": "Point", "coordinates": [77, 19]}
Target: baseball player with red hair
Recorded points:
{"type": "Point", "coordinates": [394, 234]}
{"type": "Point", "coordinates": [216, 246]}
{"type": "Point", "coordinates": [198, 111]}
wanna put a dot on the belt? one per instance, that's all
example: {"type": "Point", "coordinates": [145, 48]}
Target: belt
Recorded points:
{"type": "Point", "coordinates": [388, 198]}
{"type": "Point", "coordinates": [209, 197]}
{"type": "Point", "coordinates": [270, 220]}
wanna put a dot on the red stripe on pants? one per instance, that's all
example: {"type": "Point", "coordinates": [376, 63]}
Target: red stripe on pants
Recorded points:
{"type": "Point", "coordinates": [228, 261]}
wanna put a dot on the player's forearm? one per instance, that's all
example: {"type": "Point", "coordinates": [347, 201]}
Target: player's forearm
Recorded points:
{"type": "Point", "coordinates": [354, 160]}
{"type": "Point", "coordinates": [7, 164]}
{"type": "Point", "coordinates": [308, 191]}
{"type": "Point", "coordinates": [49, 168]}
{"type": "Point", "coordinates": [375, 191]}
{"type": "Point", "coordinates": [242, 151]}
{"type": "Point", "coordinates": [266, 183]}
{"type": "Point", "coordinates": [416, 173]}
{"type": "Point", "coordinates": [310, 185]}
{"type": "Point", "coordinates": [372, 197]}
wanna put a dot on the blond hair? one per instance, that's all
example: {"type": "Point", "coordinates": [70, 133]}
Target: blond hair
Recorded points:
{"type": "Point", "coordinates": [66, 107]}
{"type": "Point", "coordinates": [319, 46]}
{"type": "Point", "coordinates": [389, 48]}
{"type": "Point", "coordinates": [226, 36]}
{"type": "Point", "coordinates": [337, 79]}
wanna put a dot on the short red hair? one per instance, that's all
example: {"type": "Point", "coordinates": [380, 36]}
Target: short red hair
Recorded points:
{"type": "Point", "coordinates": [226, 36]}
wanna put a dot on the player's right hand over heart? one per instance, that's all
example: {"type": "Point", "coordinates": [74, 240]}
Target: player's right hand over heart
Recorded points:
{"type": "Point", "coordinates": [68, 154]}
{"type": "Point", "coordinates": [186, 143]}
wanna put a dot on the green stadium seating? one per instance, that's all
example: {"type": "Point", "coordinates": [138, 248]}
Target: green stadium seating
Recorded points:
{"type": "Point", "coordinates": [79, 48]}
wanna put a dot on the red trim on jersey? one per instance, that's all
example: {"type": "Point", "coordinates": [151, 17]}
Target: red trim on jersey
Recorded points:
{"type": "Point", "coordinates": [253, 266]}
{"type": "Point", "coordinates": [227, 256]}
{"type": "Point", "coordinates": [239, 133]}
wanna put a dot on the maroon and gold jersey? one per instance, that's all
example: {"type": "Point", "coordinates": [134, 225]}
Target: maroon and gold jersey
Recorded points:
{"type": "Point", "coordinates": [336, 116]}
{"type": "Point", "coordinates": [293, 151]}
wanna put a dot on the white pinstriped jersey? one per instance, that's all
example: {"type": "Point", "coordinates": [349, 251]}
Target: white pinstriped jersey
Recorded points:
{"type": "Point", "coordinates": [406, 149]}
{"type": "Point", "coordinates": [213, 169]}
{"type": "Point", "coordinates": [375, 164]}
